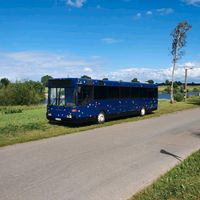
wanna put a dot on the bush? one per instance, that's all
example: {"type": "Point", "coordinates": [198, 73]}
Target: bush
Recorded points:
{"type": "Point", "coordinates": [13, 110]}
{"type": "Point", "coordinates": [10, 110]}
{"type": "Point", "coordinates": [22, 93]}
{"type": "Point", "coordinates": [178, 97]}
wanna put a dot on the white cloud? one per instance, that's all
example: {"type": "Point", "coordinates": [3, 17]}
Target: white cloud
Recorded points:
{"type": "Point", "coordinates": [137, 16]}
{"type": "Point", "coordinates": [165, 11]}
{"type": "Point", "coordinates": [33, 65]}
{"type": "Point", "coordinates": [109, 40]}
{"type": "Point", "coordinates": [188, 65]}
{"type": "Point", "coordinates": [192, 2]}
{"type": "Point", "coordinates": [158, 74]}
{"type": "Point", "coordinates": [149, 13]}
{"type": "Point", "coordinates": [76, 3]}
{"type": "Point", "coordinates": [87, 69]}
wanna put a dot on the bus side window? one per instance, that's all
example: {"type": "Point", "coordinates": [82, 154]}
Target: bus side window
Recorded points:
{"type": "Point", "coordinates": [135, 92]}
{"type": "Point", "coordinates": [85, 94]}
{"type": "Point", "coordinates": [150, 92]}
{"type": "Point", "coordinates": [100, 92]}
{"type": "Point", "coordinates": [125, 92]}
{"type": "Point", "coordinates": [144, 92]}
{"type": "Point", "coordinates": [155, 92]}
{"type": "Point", "coordinates": [113, 92]}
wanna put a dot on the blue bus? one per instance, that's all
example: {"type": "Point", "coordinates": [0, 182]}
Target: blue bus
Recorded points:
{"type": "Point", "coordinates": [77, 100]}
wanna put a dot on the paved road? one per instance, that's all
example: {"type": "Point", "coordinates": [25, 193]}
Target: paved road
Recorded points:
{"type": "Point", "coordinates": [109, 163]}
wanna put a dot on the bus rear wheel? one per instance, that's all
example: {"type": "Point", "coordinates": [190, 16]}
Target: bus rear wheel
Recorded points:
{"type": "Point", "coordinates": [101, 118]}
{"type": "Point", "coordinates": [142, 112]}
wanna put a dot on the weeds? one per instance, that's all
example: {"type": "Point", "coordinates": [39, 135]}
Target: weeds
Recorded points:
{"type": "Point", "coordinates": [13, 129]}
{"type": "Point", "coordinates": [7, 111]}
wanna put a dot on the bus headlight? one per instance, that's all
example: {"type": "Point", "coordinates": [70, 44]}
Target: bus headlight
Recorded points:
{"type": "Point", "coordinates": [69, 116]}
{"type": "Point", "coordinates": [49, 114]}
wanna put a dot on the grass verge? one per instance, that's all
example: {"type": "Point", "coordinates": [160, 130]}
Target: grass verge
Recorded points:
{"type": "Point", "coordinates": [31, 124]}
{"type": "Point", "coordinates": [180, 183]}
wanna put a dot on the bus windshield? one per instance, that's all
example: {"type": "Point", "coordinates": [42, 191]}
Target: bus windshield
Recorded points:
{"type": "Point", "coordinates": [62, 96]}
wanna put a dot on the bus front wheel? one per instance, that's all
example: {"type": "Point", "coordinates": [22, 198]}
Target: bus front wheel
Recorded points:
{"type": "Point", "coordinates": [142, 112]}
{"type": "Point", "coordinates": [101, 118]}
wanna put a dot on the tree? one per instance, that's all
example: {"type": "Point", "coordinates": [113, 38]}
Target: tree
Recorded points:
{"type": "Point", "coordinates": [178, 42]}
{"type": "Point", "coordinates": [175, 85]}
{"type": "Point", "coordinates": [135, 80]}
{"type": "Point", "coordinates": [150, 81]}
{"type": "Point", "coordinates": [167, 82]}
{"type": "Point", "coordinates": [44, 80]}
{"type": "Point", "coordinates": [5, 82]}
{"type": "Point", "coordinates": [86, 77]}
{"type": "Point", "coordinates": [22, 93]}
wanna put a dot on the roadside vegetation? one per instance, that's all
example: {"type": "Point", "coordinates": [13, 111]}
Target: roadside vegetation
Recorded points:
{"type": "Point", "coordinates": [182, 182]}
{"type": "Point", "coordinates": [21, 93]}
{"type": "Point", "coordinates": [179, 91]}
{"type": "Point", "coordinates": [25, 92]}
{"type": "Point", "coordinates": [178, 86]}
{"type": "Point", "coordinates": [26, 123]}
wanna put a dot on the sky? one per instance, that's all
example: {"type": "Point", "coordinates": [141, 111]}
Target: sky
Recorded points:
{"type": "Point", "coordinates": [116, 39]}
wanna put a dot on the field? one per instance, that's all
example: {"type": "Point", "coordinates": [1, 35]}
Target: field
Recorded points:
{"type": "Point", "coordinates": [22, 123]}
{"type": "Point", "coordinates": [182, 182]}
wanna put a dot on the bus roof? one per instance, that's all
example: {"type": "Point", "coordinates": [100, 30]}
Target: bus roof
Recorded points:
{"type": "Point", "coordinates": [83, 81]}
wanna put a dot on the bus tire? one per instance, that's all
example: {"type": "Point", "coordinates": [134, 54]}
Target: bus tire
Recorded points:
{"type": "Point", "coordinates": [142, 112]}
{"type": "Point", "coordinates": [101, 118]}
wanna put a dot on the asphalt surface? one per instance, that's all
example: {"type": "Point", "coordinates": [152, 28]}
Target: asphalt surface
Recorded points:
{"type": "Point", "coordinates": [109, 163]}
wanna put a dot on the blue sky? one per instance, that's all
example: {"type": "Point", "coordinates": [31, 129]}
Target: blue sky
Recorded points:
{"type": "Point", "coordinates": [118, 39]}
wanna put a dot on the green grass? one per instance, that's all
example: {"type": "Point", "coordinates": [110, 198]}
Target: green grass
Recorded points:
{"type": "Point", "coordinates": [180, 183]}
{"type": "Point", "coordinates": [31, 123]}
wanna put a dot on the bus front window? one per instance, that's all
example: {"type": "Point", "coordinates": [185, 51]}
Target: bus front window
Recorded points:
{"type": "Point", "coordinates": [62, 96]}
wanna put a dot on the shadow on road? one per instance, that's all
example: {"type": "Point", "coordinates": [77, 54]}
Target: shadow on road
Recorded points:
{"type": "Point", "coordinates": [171, 154]}
{"type": "Point", "coordinates": [71, 125]}
{"type": "Point", "coordinates": [197, 133]}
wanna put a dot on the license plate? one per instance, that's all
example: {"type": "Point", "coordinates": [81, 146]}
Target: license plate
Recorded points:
{"type": "Point", "coordinates": [58, 119]}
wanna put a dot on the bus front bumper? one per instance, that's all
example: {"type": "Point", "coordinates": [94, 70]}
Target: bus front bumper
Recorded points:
{"type": "Point", "coordinates": [69, 119]}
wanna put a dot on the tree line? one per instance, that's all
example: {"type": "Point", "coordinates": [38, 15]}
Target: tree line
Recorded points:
{"type": "Point", "coordinates": [134, 80]}
{"type": "Point", "coordinates": [28, 92]}
{"type": "Point", "coordinates": [22, 92]}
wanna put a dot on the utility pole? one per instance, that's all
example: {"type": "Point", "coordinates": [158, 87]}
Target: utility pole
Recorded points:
{"type": "Point", "coordinates": [186, 74]}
